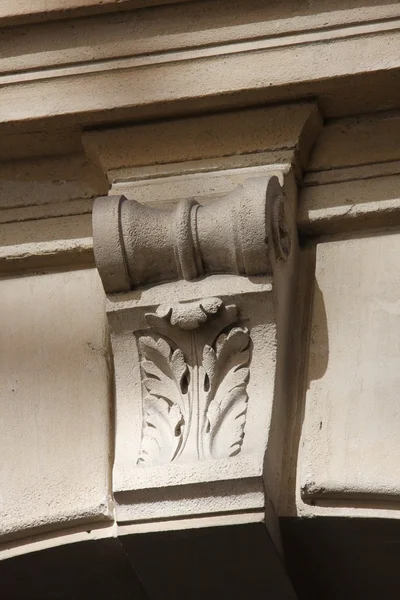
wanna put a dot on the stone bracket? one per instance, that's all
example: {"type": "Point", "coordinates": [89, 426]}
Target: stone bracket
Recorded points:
{"type": "Point", "coordinates": [198, 302]}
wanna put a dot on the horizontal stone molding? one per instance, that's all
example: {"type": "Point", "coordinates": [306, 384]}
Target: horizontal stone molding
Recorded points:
{"type": "Point", "coordinates": [21, 12]}
{"type": "Point", "coordinates": [363, 204]}
{"type": "Point", "coordinates": [46, 256]}
{"type": "Point", "coordinates": [236, 498]}
{"type": "Point", "coordinates": [352, 180]}
{"type": "Point", "coordinates": [330, 494]}
{"type": "Point", "coordinates": [166, 34]}
{"type": "Point", "coordinates": [351, 201]}
{"type": "Point", "coordinates": [213, 77]}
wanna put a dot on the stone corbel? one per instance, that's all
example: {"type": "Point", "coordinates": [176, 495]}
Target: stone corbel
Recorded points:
{"type": "Point", "coordinates": [198, 306]}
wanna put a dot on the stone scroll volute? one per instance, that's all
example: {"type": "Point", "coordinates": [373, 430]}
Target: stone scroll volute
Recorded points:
{"type": "Point", "coordinates": [242, 233]}
{"type": "Point", "coordinates": [192, 308]}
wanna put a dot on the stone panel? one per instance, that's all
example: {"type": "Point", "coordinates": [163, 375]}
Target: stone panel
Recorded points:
{"type": "Point", "coordinates": [351, 430]}
{"type": "Point", "coordinates": [54, 387]}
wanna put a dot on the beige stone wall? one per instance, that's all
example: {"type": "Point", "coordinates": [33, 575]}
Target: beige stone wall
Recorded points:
{"type": "Point", "coordinates": [189, 101]}
{"type": "Point", "coordinates": [55, 403]}
{"type": "Point", "coordinates": [351, 427]}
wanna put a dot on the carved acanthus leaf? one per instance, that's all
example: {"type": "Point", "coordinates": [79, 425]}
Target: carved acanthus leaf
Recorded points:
{"type": "Point", "coordinates": [226, 377]}
{"type": "Point", "coordinates": [164, 380]}
{"type": "Point", "coordinates": [205, 419]}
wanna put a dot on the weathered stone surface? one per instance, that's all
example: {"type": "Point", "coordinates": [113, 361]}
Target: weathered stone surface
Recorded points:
{"type": "Point", "coordinates": [12, 13]}
{"type": "Point", "coordinates": [198, 363]}
{"type": "Point", "coordinates": [285, 133]}
{"type": "Point", "coordinates": [136, 246]}
{"type": "Point", "coordinates": [353, 177]}
{"type": "Point", "coordinates": [55, 382]}
{"type": "Point", "coordinates": [350, 434]}
{"type": "Point", "coordinates": [217, 411]}
{"type": "Point", "coordinates": [209, 56]}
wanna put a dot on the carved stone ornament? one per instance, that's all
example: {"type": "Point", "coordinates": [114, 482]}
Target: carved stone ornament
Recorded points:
{"type": "Point", "coordinates": [194, 382]}
{"type": "Point", "coordinates": [136, 245]}
{"type": "Point", "coordinates": [195, 299]}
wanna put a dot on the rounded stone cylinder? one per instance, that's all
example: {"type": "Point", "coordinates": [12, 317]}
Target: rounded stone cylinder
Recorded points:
{"type": "Point", "coordinates": [136, 245]}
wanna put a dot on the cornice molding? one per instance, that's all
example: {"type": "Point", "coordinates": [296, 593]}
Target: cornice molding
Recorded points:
{"type": "Point", "coordinates": [353, 177]}
{"type": "Point", "coordinates": [23, 11]}
{"type": "Point", "coordinates": [167, 34]}
{"type": "Point", "coordinates": [221, 62]}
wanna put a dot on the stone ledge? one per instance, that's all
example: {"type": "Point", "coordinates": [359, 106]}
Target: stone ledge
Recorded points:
{"type": "Point", "coordinates": [214, 75]}
{"type": "Point", "coordinates": [16, 12]}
